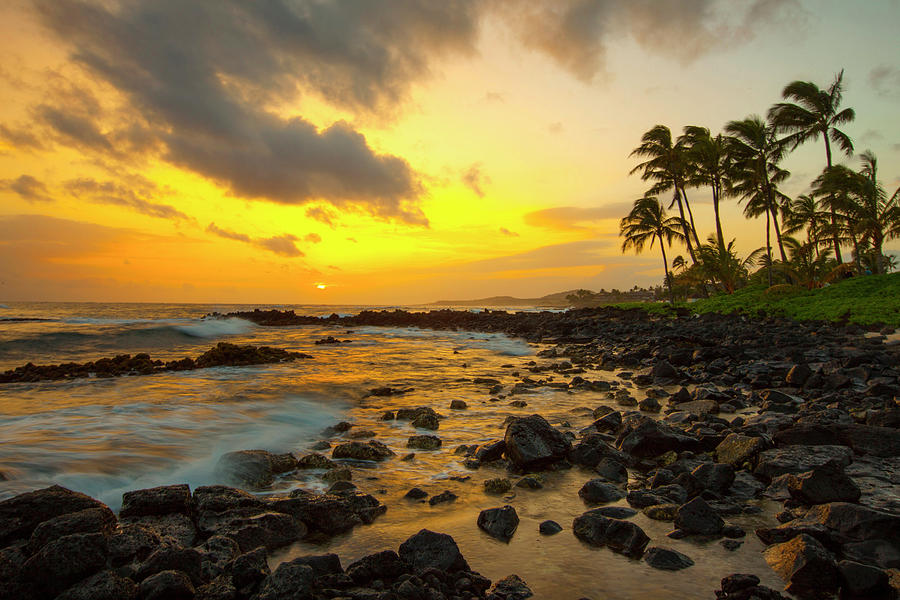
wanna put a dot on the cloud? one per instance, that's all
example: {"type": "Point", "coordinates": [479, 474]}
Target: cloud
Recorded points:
{"type": "Point", "coordinates": [475, 179]}
{"type": "Point", "coordinates": [574, 218]}
{"type": "Point", "coordinates": [117, 194]}
{"type": "Point", "coordinates": [494, 97]}
{"type": "Point", "coordinates": [322, 215]}
{"type": "Point", "coordinates": [209, 78]}
{"type": "Point", "coordinates": [27, 187]}
{"type": "Point", "coordinates": [312, 238]}
{"type": "Point", "coordinates": [506, 231]}
{"type": "Point", "coordinates": [283, 245]}
{"type": "Point", "coordinates": [885, 80]}
{"type": "Point", "coordinates": [20, 137]}
{"type": "Point", "coordinates": [576, 34]}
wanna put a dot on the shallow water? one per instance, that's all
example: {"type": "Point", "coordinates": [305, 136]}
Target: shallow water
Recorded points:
{"type": "Point", "coordinates": [107, 436]}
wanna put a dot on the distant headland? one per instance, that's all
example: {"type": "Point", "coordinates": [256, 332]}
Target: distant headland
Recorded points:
{"type": "Point", "coordinates": [568, 299]}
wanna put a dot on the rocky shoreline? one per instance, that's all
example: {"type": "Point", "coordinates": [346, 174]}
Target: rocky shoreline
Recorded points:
{"type": "Point", "coordinates": [222, 354]}
{"type": "Point", "coordinates": [712, 414]}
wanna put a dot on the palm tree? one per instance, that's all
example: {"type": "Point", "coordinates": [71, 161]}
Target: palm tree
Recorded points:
{"type": "Point", "coordinates": [711, 164]}
{"type": "Point", "coordinates": [756, 154]}
{"type": "Point", "coordinates": [804, 212]}
{"type": "Point", "coordinates": [815, 112]}
{"type": "Point", "coordinates": [724, 265]}
{"type": "Point", "coordinates": [667, 167]}
{"type": "Point", "coordinates": [648, 222]}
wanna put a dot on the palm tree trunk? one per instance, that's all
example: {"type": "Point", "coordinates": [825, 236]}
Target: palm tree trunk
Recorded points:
{"type": "Point", "coordinates": [690, 215]}
{"type": "Point", "coordinates": [687, 234]}
{"type": "Point", "coordinates": [719, 234]}
{"type": "Point", "coordinates": [769, 247]}
{"type": "Point", "coordinates": [778, 236]}
{"type": "Point", "coordinates": [834, 233]}
{"type": "Point", "coordinates": [856, 252]}
{"type": "Point", "coordinates": [877, 242]}
{"type": "Point", "coordinates": [662, 247]}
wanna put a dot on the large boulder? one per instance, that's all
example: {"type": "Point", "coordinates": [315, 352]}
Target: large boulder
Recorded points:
{"type": "Point", "coordinates": [270, 529]}
{"type": "Point", "coordinates": [666, 559]}
{"type": "Point", "coordinates": [162, 500]}
{"type": "Point", "coordinates": [598, 491]}
{"type": "Point", "coordinates": [643, 437]}
{"type": "Point", "coordinates": [698, 517]}
{"type": "Point", "coordinates": [249, 468]}
{"type": "Point", "coordinates": [105, 585]}
{"type": "Point", "coordinates": [620, 536]}
{"type": "Point", "coordinates": [715, 477]}
{"type": "Point", "coordinates": [428, 549]}
{"type": "Point", "coordinates": [372, 450]}
{"type": "Point", "coordinates": [806, 566]}
{"type": "Point", "coordinates": [64, 561]}
{"type": "Point", "coordinates": [330, 514]}
{"type": "Point", "coordinates": [499, 523]}
{"type": "Point", "coordinates": [737, 449]}
{"type": "Point", "coordinates": [799, 459]}
{"type": "Point", "coordinates": [852, 522]}
{"type": "Point", "coordinates": [531, 443]}
{"type": "Point", "coordinates": [592, 449]}
{"type": "Point", "coordinates": [21, 514]}
{"type": "Point", "coordinates": [290, 581]}
{"type": "Point", "coordinates": [89, 520]}
{"type": "Point", "coordinates": [824, 484]}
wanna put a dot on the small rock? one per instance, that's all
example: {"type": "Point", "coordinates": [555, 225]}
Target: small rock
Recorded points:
{"type": "Point", "coordinates": [445, 496]}
{"type": "Point", "coordinates": [458, 405]}
{"type": "Point", "coordinates": [500, 485]}
{"type": "Point", "coordinates": [549, 527]}
{"type": "Point", "coordinates": [597, 491]}
{"type": "Point", "coordinates": [698, 517]}
{"type": "Point", "coordinates": [666, 559]}
{"type": "Point", "coordinates": [424, 442]}
{"type": "Point", "coordinates": [416, 494]}
{"type": "Point", "coordinates": [499, 523]}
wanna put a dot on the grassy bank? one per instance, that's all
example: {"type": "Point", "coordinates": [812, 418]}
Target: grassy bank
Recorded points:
{"type": "Point", "coordinates": [868, 300]}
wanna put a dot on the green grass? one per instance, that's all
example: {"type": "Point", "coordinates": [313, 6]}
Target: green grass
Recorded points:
{"type": "Point", "coordinates": [866, 300]}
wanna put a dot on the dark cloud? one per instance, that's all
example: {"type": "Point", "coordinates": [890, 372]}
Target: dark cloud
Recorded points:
{"type": "Point", "coordinates": [27, 187]}
{"type": "Point", "coordinates": [475, 179]}
{"type": "Point", "coordinates": [283, 245]}
{"type": "Point", "coordinates": [80, 131]}
{"type": "Point", "coordinates": [312, 238]}
{"type": "Point", "coordinates": [110, 192]}
{"type": "Point", "coordinates": [885, 80]}
{"type": "Point", "coordinates": [20, 137]}
{"type": "Point", "coordinates": [577, 33]}
{"type": "Point", "coordinates": [574, 218]}
{"type": "Point", "coordinates": [506, 231]}
{"type": "Point", "coordinates": [207, 74]}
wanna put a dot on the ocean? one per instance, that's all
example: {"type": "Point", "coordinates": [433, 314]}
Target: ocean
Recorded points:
{"type": "Point", "coordinates": [106, 436]}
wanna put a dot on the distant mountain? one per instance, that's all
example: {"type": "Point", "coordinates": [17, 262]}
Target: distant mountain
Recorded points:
{"type": "Point", "coordinates": [557, 300]}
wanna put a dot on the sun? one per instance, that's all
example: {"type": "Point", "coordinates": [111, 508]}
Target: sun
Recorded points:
{"type": "Point", "coordinates": [321, 286]}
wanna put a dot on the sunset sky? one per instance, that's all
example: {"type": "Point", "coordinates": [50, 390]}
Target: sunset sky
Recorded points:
{"type": "Point", "coordinates": [392, 151]}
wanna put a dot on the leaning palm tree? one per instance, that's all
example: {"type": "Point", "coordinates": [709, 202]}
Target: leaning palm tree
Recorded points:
{"type": "Point", "coordinates": [756, 154]}
{"type": "Point", "coordinates": [667, 166]}
{"type": "Point", "coordinates": [711, 164]}
{"type": "Point", "coordinates": [648, 222]}
{"type": "Point", "coordinates": [815, 112]}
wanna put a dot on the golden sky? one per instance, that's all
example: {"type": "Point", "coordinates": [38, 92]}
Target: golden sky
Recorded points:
{"type": "Point", "coordinates": [400, 151]}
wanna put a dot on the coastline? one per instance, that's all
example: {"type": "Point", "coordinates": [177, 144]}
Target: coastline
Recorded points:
{"type": "Point", "coordinates": [730, 366]}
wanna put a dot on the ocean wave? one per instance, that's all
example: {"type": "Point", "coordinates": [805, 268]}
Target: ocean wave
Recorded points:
{"type": "Point", "coordinates": [211, 328]}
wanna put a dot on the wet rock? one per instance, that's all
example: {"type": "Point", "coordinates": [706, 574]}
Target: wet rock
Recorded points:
{"type": "Point", "coordinates": [530, 482]}
{"type": "Point", "coordinates": [215, 554]}
{"type": "Point", "coordinates": [549, 527]}
{"type": "Point", "coordinates": [426, 421]}
{"type": "Point", "coordinates": [649, 404]}
{"type": "Point", "coordinates": [251, 468]}
{"type": "Point", "coordinates": [623, 537]}
{"type": "Point", "coordinates": [699, 407]}
{"type": "Point", "coordinates": [698, 517]}
{"type": "Point", "coordinates": [852, 522]}
{"type": "Point", "coordinates": [443, 497]}
{"type": "Point", "coordinates": [598, 491]}
{"type": "Point", "coordinates": [428, 549]}
{"type": "Point", "coordinates": [806, 566]}
{"type": "Point", "coordinates": [798, 375]}
{"type": "Point", "coordinates": [666, 559]}
{"type": "Point", "coordinates": [827, 483]}
{"type": "Point", "coordinates": [330, 514]}
{"type": "Point", "coordinates": [490, 451]}
{"type": "Point", "coordinates": [105, 585]}
{"type": "Point", "coordinates": [499, 523]}
{"type": "Point", "coordinates": [249, 570]}
{"type": "Point", "coordinates": [511, 587]}
{"type": "Point", "coordinates": [315, 460]}
{"type": "Point", "coordinates": [662, 369]}
{"type": "Point", "coordinates": [341, 486]}
{"type": "Point", "coordinates": [643, 498]}
{"type": "Point", "coordinates": [416, 494]}
{"type": "Point", "coordinates": [799, 459]}
{"type": "Point", "coordinates": [162, 500]}
{"type": "Point", "coordinates": [746, 587]}
{"type": "Point", "coordinates": [499, 485]}
{"type": "Point", "coordinates": [219, 498]}
{"type": "Point", "coordinates": [661, 512]}
{"type": "Point", "coordinates": [90, 520]}
{"type": "Point", "coordinates": [643, 437]}
{"type": "Point", "coordinates": [178, 526]}
{"type": "Point", "coordinates": [290, 581]}
{"type": "Point", "coordinates": [531, 443]}
{"type": "Point", "coordinates": [338, 474]}
{"type": "Point", "coordinates": [372, 450]}
{"type": "Point", "coordinates": [615, 512]}
{"type": "Point", "coordinates": [269, 529]}
{"type": "Point", "coordinates": [424, 442]}
{"type": "Point", "coordinates": [21, 514]}
{"type": "Point", "coordinates": [64, 561]}
{"type": "Point", "coordinates": [715, 477]}
{"type": "Point", "coordinates": [737, 449]}
{"type": "Point", "coordinates": [612, 470]}
{"type": "Point", "coordinates": [458, 405]}
{"type": "Point", "coordinates": [167, 585]}
{"type": "Point", "coordinates": [592, 449]}
{"type": "Point", "coordinates": [863, 581]}
{"type": "Point", "coordinates": [131, 543]}
{"type": "Point", "coordinates": [168, 556]}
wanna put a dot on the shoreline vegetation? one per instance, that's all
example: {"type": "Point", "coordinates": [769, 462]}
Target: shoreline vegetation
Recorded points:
{"type": "Point", "coordinates": [838, 228]}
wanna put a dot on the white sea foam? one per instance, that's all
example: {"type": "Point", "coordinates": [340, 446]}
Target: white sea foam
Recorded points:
{"type": "Point", "coordinates": [211, 328]}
